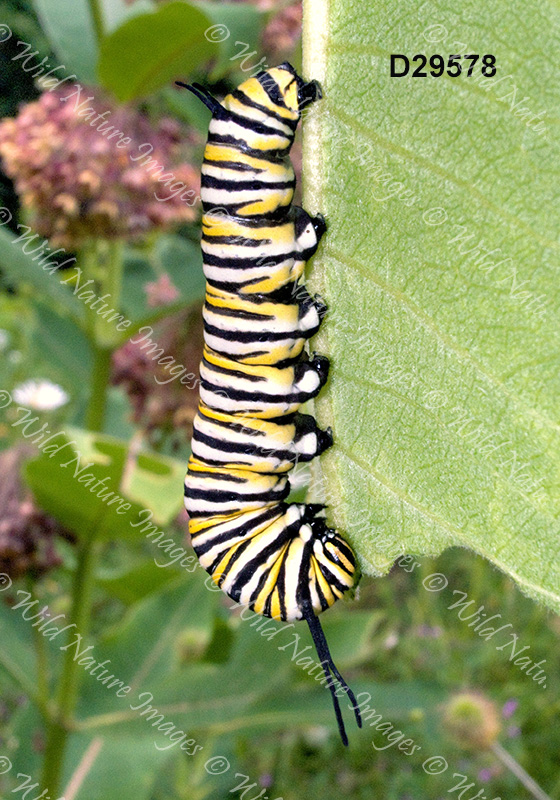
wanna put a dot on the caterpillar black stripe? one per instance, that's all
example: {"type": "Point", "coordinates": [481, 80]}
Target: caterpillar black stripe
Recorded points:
{"type": "Point", "coordinates": [280, 559]}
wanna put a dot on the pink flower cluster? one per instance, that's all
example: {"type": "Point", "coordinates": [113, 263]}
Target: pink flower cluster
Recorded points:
{"type": "Point", "coordinates": [78, 182]}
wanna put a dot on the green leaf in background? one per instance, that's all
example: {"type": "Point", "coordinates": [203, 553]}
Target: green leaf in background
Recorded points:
{"type": "Point", "coordinates": [22, 272]}
{"type": "Point", "coordinates": [440, 269]}
{"type": "Point", "coordinates": [69, 27]}
{"type": "Point", "coordinates": [65, 346]}
{"type": "Point", "coordinates": [18, 659]}
{"type": "Point", "coordinates": [152, 50]}
{"type": "Point", "coordinates": [59, 482]}
{"type": "Point", "coordinates": [172, 254]}
{"type": "Point", "coordinates": [117, 12]}
{"type": "Point", "coordinates": [237, 28]}
{"type": "Point", "coordinates": [182, 260]}
{"type": "Point", "coordinates": [132, 584]}
{"type": "Point", "coordinates": [188, 108]}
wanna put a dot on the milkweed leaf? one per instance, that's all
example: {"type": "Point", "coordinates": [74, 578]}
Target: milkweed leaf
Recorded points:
{"type": "Point", "coordinates": [440, 271]}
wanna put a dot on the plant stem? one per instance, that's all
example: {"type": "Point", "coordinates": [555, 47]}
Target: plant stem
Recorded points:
{"type": "Point", "coordinates": [107, 272]}
{"type": "Point", "coordinates": [95, 416]}
{"type": "Point", "coordinates": [97, 19]}
{"type": "Point", "coordinates": [42, 667]}
{"type": "Point", "coordinates": [516, 768]}
{"type": "Point", "coordinates": [59, 728]}
{"type": "Point", "coordinates": [101, 333]}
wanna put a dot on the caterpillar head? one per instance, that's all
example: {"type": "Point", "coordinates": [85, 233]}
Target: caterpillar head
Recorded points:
{"type": "Point", "coordinates": [279, 90]}
{"type": "Point", "coordinates": [296, 93]}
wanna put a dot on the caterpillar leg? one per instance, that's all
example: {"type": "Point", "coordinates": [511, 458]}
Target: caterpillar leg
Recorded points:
{"type": "Point", "coordinates": [259, 445]}
{"type": "Point", "coordinates": [260, 328]}
{"type": "Point", "coordinates": [309, 439]}
{"type": "Point", "coordinates": [311, 376]}
{"type": "Point", "coordinates": [264, 392]}
{"type": "Point", "coordinates": [308, 231]}
{"type": "Point", "coordinates": [279, 559]}
{"type": "Point", "coordinates": [312, 311]}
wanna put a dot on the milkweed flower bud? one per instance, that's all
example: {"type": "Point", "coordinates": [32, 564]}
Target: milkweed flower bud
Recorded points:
{"type": "Point", "coordinates": [472, 720]}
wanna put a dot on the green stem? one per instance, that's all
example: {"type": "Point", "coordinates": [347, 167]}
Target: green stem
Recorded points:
{"type": "Point", "coordinates": [109, 255]}
{"type": "Point", "coordinates": [42, 667]}
{"type": "Point", "coordinates": [115, 266]}
{"type": "Point", "coordinates": [59, 728]}
{"type": "Point", "coordinates": [95, 416]}
{"type": "Point", "coordinates": [105, 266]}
{"type": "Point", "coordinates": [104, 263]}
{"type": "Point", "coordinates": [509, 761]}
{"type": "Point", "coordinates": [97, 19]}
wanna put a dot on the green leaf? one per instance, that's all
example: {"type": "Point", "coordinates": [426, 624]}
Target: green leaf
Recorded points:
{"type": "Point", "coordinates": [172, 254]}
{"type": "Point", "coordinates": [237, 27]}
{"type": "Point", "coordinates": [116, 12]}
{"type": "Point", "coordinates": [102, 766]}
{"type": "Point", "coordinates": [69, 27]}
{"type": "Point", "coordinates": [64, 345]}
{"type": "Point", "coordinates": [63, 483]}
{"type": "Point", "coordinates": [17, 660]}
{"type": "Point", "coordinates": [23, 272]}
{"type": "Point", "coordinates": [187, 107]}
{"type": "Point", "coordinates": [120, 766]}
{"type": "Point", "coordinates": [440, 271]}
{"type": "Point", "coordinates": [152, 50]}
{"type": "Point", "coordinates": [132, 584]}
{"type": "Point", "coordinates": [350, 636]}
{"type": "Point", "coordinates": [183, 261]}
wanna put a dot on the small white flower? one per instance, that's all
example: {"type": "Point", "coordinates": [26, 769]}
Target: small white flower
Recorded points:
{"type": "Point", "coordinates": [391, 641]}
{"type": "Point", "coordinates": [40, 395]}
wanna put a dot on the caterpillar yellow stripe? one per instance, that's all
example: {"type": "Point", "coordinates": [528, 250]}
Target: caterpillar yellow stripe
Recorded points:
{"type": "Point", "coordinates": [278, 558]}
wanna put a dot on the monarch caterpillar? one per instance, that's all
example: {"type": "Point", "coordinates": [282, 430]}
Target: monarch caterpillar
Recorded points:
{"type": "Point", "coordinates": [278, 558]}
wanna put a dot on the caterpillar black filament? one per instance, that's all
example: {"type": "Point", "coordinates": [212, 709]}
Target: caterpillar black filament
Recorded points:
{"type": "Point", "coordinates": [278, 558]}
